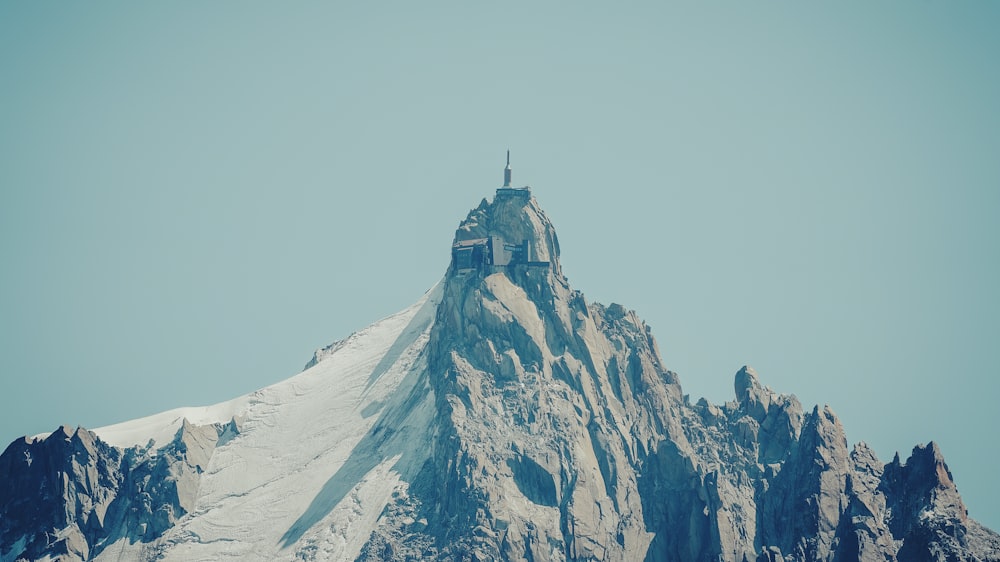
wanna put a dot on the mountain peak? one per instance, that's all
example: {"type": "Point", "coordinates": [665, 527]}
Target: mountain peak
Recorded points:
{"type": "Point", "coordinates": [501, 417]}
{"type": "Point", "coordinates": [509, 232]}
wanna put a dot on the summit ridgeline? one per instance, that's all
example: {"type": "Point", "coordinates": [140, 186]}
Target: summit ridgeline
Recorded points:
{"type": "Point", "coordinates": [501, 417]}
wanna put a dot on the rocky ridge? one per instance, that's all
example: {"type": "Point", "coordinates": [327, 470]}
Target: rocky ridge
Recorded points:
{"type": "Point", "coordinates": [562, 436]}
{"type": "Point", "coordinates": [73, 493]}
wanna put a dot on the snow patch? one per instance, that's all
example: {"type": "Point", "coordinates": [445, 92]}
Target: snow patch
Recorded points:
{"type": "Point", "coordinates": [15, 549]}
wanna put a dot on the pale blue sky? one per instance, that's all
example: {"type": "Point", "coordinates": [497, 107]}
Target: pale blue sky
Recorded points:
{"type": "Point", "coordinates": [195, 196]}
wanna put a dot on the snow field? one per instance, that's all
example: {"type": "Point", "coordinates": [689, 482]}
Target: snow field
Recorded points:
{"type": "Point", "coordinates": [318, 455]}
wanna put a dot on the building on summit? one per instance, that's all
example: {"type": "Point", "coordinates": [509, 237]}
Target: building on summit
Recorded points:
{"type": "Point", "coordinates": [494, 251]}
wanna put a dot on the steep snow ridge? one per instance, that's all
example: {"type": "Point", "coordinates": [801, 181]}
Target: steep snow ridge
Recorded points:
{"type": "Point", "coordinates": [161, 428]}
{"type": "Point", "coordinates": [314, 458]}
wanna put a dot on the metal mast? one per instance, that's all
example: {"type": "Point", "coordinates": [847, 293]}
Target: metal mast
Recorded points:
{"type": "Point", "coordinates": [506, 172]}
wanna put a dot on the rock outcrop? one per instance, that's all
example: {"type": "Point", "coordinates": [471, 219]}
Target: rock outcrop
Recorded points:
{"type": "Point", "coordinates": [561, 435]}
{"type": "Point", "coordinates": [70, 494]}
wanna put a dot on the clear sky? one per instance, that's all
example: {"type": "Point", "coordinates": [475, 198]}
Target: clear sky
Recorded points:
{"type": "Point", "coordinates": [195, 196]}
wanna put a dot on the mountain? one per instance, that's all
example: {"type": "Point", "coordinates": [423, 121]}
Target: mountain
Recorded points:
{"type": "Point", "coordinates": [501, 417]}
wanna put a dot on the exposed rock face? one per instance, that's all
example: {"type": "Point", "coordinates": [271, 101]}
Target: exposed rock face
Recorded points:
{"type": "Point", "coordinates": [60, 488]}
{"type": "Point", "coordinates": [557, 434]}
{"type": "Point", "coordinates": [70, 494]}
{"type": "Point", "coordinates": [562, 436]}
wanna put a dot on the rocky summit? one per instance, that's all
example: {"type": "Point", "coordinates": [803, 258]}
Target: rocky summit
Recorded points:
{"type": "Point", "coordinates": [502, 417]}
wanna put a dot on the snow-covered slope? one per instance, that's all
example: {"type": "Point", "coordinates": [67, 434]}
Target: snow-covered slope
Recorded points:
{"type": "Point", "coordinates": [309, 470]}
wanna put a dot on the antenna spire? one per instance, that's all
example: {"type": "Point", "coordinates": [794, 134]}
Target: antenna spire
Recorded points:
{"type": "Point", "coordinates": [506, 171]}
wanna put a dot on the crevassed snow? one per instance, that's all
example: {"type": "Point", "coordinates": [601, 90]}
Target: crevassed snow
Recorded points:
{"type": "Point", "coordinates": [318, 455]}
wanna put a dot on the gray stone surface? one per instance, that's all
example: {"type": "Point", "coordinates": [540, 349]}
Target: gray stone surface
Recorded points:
{"type": "Point", "coordinates": [69, 495]}
{"type": "Point", "coordinates": [562, 436]}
